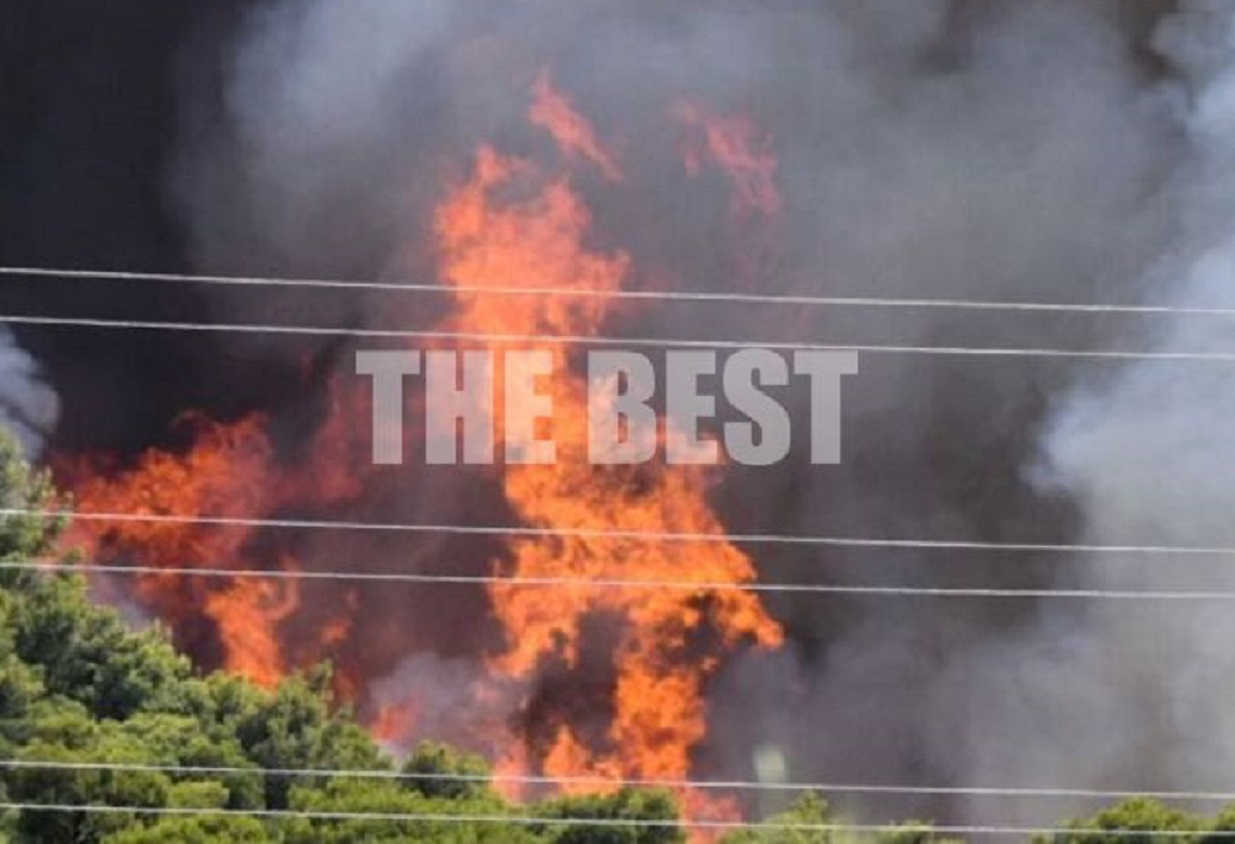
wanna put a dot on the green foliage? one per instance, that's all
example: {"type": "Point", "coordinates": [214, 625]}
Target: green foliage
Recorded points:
{"type": "Point", "coordinates": [809, 810]}
{"type": "Point", "coordinates": [88, 654]}
{"type": "Point", "coordinates": [25, 537]}
{"type": "Point", "coordinates": [1222, 830]}
{"type": "Point", "coordinates": [295, 729]}
{"type": "Point", "coordinates": [389, 798]}
{"type": "Point", "coordinates": [915, 832]}
{"type": "Point", "coordinates": [625, 805]}
{"type": "Point", "coordinates": [194, 830]}
{"type": "Point", "coordinates": [1137, 819]}
{"type": "Point", "coordinates": [433, 758]}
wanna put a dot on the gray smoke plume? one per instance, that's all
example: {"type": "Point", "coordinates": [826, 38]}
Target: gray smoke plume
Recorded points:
{"type": "Point", "coordinates": [1136, 692]}
{"type": "Point", "coordinates": [1038, 150]}
{"type": "Point", "coordinates": [28, 406]}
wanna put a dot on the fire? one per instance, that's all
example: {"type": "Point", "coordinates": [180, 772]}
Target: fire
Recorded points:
{"type": "Point", "coordinates": [229, 472]}
{"type": "Point", "coordinates": [395, 722]}
{"type": "Point", "coordinates": [632, 664]}
{"type": "Point", "coordinates": [248, 613]}
{"type": "Point", "coordinates": [663, 655]}
{"type": "Point", "coordinates": [554, 113]}
{"type": "Point", "coordinates": [736, 146]}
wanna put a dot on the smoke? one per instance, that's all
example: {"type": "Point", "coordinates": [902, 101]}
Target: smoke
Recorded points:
{"type": "Point", "coordinates": [1068, 694]}
{"type": "Point", "coordinates": [28, 406]}
{"type": "Point", "coordinates": [1048, 150]}
{"type": "Point", "coordinates": [1009, 150]}
{"type": "Point", "coordinates": [1143, 454]}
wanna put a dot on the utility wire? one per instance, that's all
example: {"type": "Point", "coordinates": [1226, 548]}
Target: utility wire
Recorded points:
{"type": "Point", "coordinates": [531, 779]}
{"type": "Point", "coordinates": [632, 535]}
{"type": "Point", "coordinates": [618, 583]}
{"type": "Point", "coordinates": [590, 340]}
{"type": "Point", "coordinates": [653, 295]}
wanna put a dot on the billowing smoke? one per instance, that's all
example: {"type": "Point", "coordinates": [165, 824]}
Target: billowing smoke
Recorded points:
{"type": "Point", "coordinates": [1134, 693]}
{"type": "Point", "coordinates": [952, 149]}
{"type": "Point", "coordinates": [1035, 150]}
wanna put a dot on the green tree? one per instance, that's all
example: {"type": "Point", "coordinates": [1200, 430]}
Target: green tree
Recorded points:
{"type": "Point", "coordinates": [627, 804]}
{"type": "Point", "coordinates": [22, 488]}
{"type": "Point", "coordinates": [295, 728]}
{"type": "Point", "coordinates": [1137, 818]}
{"type": "Point", "coordinates": [435, 816]}
{"type": "Point", "coordinates": [809, 810]}
{"type": "Point", "coordinates": [195, 830]}
{"type": "Point", "coordinates": [431, 758]}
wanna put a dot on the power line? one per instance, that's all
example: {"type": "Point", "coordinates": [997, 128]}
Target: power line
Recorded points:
{"type": "Point", "coordinates": [618, 583]}
{"type": "Point", "coordinates": [653, 295]}
{"type": "Point", "coordinates": [620, 823]}
{"type": "Point", "coordinates": [633, 535]}
{"type": "Point", "coordinates": [588, 340]}
{"type": "Point", "coordinates": [531, 779]}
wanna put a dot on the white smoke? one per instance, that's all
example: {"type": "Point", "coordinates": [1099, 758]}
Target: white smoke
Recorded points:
{"type": "Point", "coordinates": [1137, 694]}
{"type": "Point", "coordinates": [28, 406]}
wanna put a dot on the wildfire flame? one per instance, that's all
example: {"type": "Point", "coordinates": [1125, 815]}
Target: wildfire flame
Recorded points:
{"type": "Point", "coordinates": [554, 113]}
{"type": "Point", "coordinates": [636, 661]}
{"type": "Point", "coordinates": [736, 146]}
{"type": "Point", "coordinates": [229, 472]}
{"type": "Point", "coordinates": [662, 657]}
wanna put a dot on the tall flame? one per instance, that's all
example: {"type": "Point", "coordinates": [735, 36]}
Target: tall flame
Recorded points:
{"type": "Point", "coordinates": [669, 641]}
{"type": "Point", "coordinates": [631, 664]}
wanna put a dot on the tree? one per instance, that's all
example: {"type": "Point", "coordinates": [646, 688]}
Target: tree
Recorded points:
{"type": "Point", "coordinates": [627, 804]}
{"type": "Point", "coordinates": [190, 830]}
{"type": "Point", "coordinates": [295, 729]}
{"type": "Point", "coordinates": [431, 758]}
{"type": "Point", "coordinates": [809, 810]}
{"type": "Point", "coordinates": [435, 816]}
{"type": "Point", "coordinates": [1138, 818]}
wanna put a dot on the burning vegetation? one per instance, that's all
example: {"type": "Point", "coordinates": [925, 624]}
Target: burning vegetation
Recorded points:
{"type": "Point", "coordinates": [982, 195]}
{"type": "Point", "coordinates": [612, 681]}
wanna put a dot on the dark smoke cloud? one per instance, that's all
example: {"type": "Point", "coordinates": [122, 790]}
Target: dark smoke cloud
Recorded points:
{"type": "Point", "coordinates": [89, 105]}
{"type": "Point", "coordinates": [1047, 150]}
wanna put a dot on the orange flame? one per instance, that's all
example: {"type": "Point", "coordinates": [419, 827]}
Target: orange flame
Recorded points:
{"type": "Point", "coordinates": [509, 224]}
{"type": "Point", "coordinates": [229, 472]}
{"type": "Point", "coordinates": [739, 149]}
{"type": "Point", "coordinates": [554, 113]}
{"type": "Point", "coordinates": [248, 613]}
{"type": "Point", "coordinates": [394, 722]}
{"type": "Point", "coordinates": [661, 659]}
